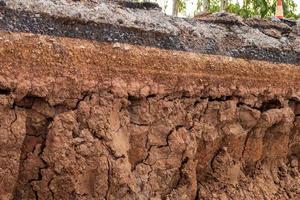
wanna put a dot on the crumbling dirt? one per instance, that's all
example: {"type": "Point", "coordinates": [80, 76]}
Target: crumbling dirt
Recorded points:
{"type": "Point", "coordinates": [107, 119]}
{"type": "Point", "coordinates": [87, 120]}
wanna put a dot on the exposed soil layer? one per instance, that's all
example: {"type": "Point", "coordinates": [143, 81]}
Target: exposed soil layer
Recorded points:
{"type": "Point", "coordinates": [87, 120]}
{"type": "Point", "coordinates": [145, 24]}
{"type": "Point", "coordinates": [109, 110]}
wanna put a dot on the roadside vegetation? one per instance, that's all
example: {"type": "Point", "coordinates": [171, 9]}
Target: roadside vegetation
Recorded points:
{"type": "Point", "coordinates": [244, 8]}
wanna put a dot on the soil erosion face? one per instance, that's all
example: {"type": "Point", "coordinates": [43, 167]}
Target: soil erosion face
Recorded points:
{"type": "Point", "coordinates": [97, 102]}
{"type": "Point", "coordinates": [87, 120]}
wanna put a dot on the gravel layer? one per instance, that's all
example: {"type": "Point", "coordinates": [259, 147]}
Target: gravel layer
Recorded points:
{"type": "Point", "coordinates": [145, 24]}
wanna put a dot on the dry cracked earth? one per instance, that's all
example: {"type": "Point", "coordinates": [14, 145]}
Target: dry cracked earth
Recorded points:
{"type": "Point", "coordinates": [87, 118]}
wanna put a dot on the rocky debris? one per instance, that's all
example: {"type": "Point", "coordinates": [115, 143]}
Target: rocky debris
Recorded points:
{"type": "Point", "coordinates": [272, 33]}
{"type": "Point", "coordinates": [88, 120]}
{"type": "Point", "coordinates": [139, 5]}
{"type": "Point", "coordinates": [269, 24]}
{"type": "Point", "coordinates": [2, 3]}
{"type": "Point", "coordinates": [222, 18]}
{"type": "Point", "coordinates": [144, 24]}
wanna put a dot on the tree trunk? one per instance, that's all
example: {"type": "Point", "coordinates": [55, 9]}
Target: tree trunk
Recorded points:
{"type": "Point", "coordinates": [224, 4]}
{"type": "Point", "coordinates": [206, 5]}
{"type": "Point", "coordinates": [175, 8]}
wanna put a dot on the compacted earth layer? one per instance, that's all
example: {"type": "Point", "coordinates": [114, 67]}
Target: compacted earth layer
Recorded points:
{"type": "Point", "coordinates": [87, 117]}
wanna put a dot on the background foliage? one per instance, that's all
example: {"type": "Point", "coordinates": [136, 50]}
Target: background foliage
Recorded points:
{"type": "Point", "coordinates": [246, 8]}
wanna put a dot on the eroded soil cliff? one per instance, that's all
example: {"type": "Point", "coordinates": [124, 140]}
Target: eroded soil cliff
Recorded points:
{"type": "Point", "coordinates": [91, 119]}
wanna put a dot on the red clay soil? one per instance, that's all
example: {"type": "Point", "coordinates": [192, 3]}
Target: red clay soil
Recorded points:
{"type": "Point", "coordinates": [87, 120]}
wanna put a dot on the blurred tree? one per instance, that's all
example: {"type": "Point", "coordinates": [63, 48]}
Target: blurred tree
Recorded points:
{"type": "Point", "coordinates": [248, 8]}
{"type": "Point", "coordinates": [178, 6]}
{"type": "Point", "coordinates": [224, 4]}
{"type": "Point", "coordinates": [289, 9]}
{"type": "Point", "coordinates": [260, 8]}
{"type": "Point", "coordinates": [206, 5]}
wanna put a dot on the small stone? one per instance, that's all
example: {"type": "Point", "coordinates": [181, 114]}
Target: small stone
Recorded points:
{"type": "Point", "coordinates": [145, 91]}
{"type": "Point", "coordinates": [120, 21]}
{"type": "Point", "coordinates": [276, 180]}
{"type": "Point", "coordinates": [294, 163]}
{"type": "Point", "coordinates": [272, 33]}
{"type": "Point", "coordinates": [116, 45]}
{"type": "Point", "coordinates": [2, 3]}
{"type": "Point", "coordinates": [126, 47]}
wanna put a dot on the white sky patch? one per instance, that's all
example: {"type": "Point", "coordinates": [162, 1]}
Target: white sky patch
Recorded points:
{"type": "Point", "coordinates": [298, 4]}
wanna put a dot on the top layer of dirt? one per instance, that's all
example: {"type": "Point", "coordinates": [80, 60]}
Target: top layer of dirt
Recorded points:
{"type": "Point", "coordinates": [145, 24]}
